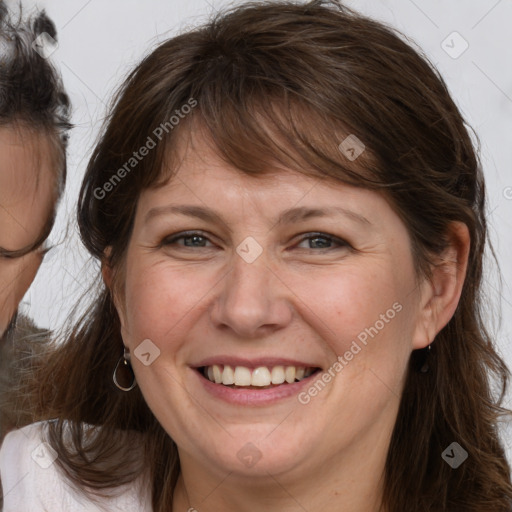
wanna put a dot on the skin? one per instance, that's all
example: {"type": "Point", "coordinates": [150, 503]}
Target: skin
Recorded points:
{"type": "Point", "coordinates": [294, 300]}
{"type": "Point", "coordinates": [27, 199]}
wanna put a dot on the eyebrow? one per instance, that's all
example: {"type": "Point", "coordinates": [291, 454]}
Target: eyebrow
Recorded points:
{"type": "Point", "coordinates": [290, 216]}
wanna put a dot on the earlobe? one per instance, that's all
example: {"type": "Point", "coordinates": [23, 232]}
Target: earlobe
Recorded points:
{"type": "Point", "coordinates": [442, 292]}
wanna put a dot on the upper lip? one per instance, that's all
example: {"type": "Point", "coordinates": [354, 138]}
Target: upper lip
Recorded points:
{"type": "Point", "coordinates": [269, 362]}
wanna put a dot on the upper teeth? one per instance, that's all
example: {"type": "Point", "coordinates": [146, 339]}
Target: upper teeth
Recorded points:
{"type": "Point", "coordinates": [261, 376]}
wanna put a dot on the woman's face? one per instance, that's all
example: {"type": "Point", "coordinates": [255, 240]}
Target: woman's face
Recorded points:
{"type": "Point", "coordinates": [267, 274]}
{"type": "Point", "coordinates": [27, 199]}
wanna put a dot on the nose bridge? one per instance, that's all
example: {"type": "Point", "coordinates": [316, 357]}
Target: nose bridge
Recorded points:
{"type": "Point", "coordinates": [251, 298]}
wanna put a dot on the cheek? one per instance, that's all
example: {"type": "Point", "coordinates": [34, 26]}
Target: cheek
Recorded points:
{"type": "Point", "coordinates": [364, 318]}
{"type": "Point", "coordinates": [345, 302]}
{"type": "Point", "coordinates": [161, 300]}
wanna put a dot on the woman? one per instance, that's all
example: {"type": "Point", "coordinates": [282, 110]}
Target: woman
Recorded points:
{"type": "Point", "coordinates": [289, 215]}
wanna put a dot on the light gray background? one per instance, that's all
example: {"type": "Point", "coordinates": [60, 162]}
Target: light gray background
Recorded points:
{"type": "Point", "coordinates": [100, 41]}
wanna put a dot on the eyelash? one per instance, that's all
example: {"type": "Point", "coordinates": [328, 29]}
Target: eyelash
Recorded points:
{"type": "Point", "coordinates": [171, 240]}
{"type": "Point", "coordinates": [43, 249]}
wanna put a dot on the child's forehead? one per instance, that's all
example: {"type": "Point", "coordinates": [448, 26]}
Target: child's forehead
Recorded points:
{"type": "Point", "coordinates": [27, 156]}
{"type": "Point", "coordinates": [27, 184]}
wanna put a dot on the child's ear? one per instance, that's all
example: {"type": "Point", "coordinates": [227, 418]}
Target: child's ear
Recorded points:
{"type": "Point", "coordinates": [441, 293]}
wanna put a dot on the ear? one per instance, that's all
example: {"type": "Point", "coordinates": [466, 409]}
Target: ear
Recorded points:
{"type": "Point", "coordinates": [440, 295]}
{"type": "Point", "coordinates": [107, 272]}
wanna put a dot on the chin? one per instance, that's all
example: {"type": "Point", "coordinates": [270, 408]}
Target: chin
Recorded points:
{"type": "Point", "coordinates": [258, 454]}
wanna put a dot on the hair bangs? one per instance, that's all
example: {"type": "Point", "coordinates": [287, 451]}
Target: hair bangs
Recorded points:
{"type": "Point", "coordinates": [264, 133]}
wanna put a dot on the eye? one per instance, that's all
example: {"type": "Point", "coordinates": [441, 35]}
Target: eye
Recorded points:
{"type": "Point", "coordinates": [189, 239]}
{"type": "Point", "coordinates": [322, 241]}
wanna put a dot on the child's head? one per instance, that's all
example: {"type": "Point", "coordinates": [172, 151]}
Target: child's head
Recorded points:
{"type": "Point", "coordinates": [34, 119]}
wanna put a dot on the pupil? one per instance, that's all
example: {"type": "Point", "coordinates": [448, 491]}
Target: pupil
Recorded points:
{"type": "Point", "coordinates": [322, 244]}
{"type": "Point", "coordinates": [189, 241]}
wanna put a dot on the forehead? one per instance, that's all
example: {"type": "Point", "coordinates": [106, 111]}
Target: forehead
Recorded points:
{"type": "Point", "coordinates": [28, 185]}
{"type": "Point", "coordinates": [195, 158]}
{"type": "Point", "coordinates": [194, 167]}
{"type": "Point", "coordinates": [200, 179]}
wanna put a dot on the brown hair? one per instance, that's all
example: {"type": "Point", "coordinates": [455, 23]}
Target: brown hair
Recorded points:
{"type": "Point", "coordinates": [285, 83]}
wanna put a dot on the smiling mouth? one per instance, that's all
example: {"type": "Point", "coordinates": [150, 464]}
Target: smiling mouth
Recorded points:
{"type": "Point", "coordinates": [262, 377]}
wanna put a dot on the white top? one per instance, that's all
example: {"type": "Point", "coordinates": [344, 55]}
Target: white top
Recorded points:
{"type": "Point", "coordinates": [32, 481]}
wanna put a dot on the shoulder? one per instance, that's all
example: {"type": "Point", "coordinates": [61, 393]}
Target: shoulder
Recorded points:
{"type": "Point", "coordinates": [31, 479]}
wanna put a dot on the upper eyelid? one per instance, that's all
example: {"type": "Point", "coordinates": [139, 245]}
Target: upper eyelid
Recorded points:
{"type": "Point", "coordinates": [14, 255]}
{"type": "Point", "coordinates": [336, 239]}
{"type": "Point", "coordinates": [11, 255]}
{"type": "Point", "coordinates": [173, 238]}
{"type": "Point", "coordinates": [185, 234]}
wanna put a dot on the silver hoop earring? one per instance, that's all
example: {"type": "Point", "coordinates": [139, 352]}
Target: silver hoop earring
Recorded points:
{"type": "Point", "coordinates": [126, 371]}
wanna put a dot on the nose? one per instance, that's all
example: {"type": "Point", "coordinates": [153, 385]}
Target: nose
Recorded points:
{"type": "Point", "coordinates": [252, 300]}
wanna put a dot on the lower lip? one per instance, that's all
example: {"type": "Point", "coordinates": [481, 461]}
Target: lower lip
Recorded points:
{"type": "Point", "coordinates": [243, 396]}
